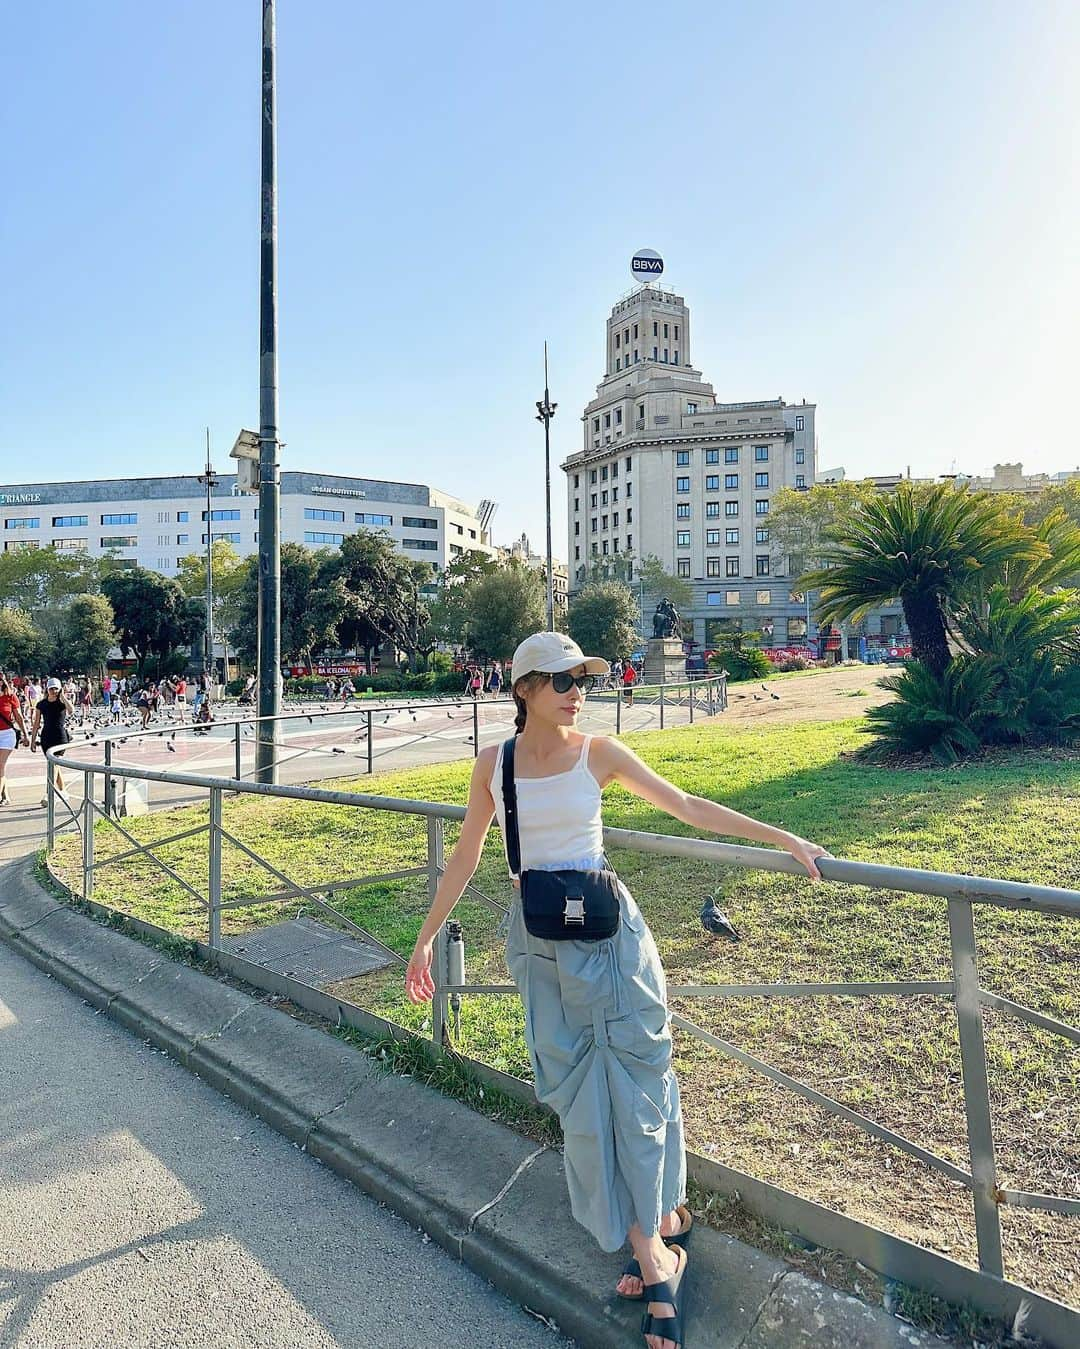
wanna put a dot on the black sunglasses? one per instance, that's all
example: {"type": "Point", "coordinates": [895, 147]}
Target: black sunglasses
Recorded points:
{"type": "Point", "coordinates": [564, 681]}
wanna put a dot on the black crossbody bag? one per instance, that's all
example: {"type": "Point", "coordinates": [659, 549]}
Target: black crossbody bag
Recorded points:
{"type": "Point", "coordinates": [558, 905]}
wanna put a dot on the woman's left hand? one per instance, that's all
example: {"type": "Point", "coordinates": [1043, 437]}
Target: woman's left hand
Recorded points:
{"type": "Point", "coordinates": [804, 852]}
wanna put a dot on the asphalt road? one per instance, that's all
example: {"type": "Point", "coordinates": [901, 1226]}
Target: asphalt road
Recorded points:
{"type": "Point", "coordinates": [138, 1208]}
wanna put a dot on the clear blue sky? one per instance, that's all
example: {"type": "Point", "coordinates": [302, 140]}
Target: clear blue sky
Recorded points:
{"type": "Point", "coordinates": [871, 206]}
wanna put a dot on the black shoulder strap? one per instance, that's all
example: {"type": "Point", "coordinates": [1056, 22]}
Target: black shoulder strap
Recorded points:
{"type": "Point", "coordinates": [509, 791]}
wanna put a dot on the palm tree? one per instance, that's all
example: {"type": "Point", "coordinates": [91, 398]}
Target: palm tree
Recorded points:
{"type": "Point", "coordinates": [925, 547]}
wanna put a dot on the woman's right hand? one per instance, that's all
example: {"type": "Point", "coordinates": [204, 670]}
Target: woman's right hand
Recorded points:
{"type": "Point", "coordinates": [419, 985]}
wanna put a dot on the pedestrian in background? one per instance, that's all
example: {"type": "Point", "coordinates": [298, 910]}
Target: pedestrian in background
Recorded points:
{"type": "Point", "coordinates": [12, 730]}
{"type": "Point", "coordinates": [49, 729]}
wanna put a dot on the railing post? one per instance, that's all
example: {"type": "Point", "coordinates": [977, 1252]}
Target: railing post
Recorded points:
{"type": "Point", "coordinates": [87, 834]}
{"type": "Point", "coordinates": [50, 813]}
{"type": "Point", "coordinates": [980, 1127]}
{"type": "Point", "coordinates": [109, 795]}
{"type": "Point", "coordinates": [618, 710]}
{"type": "Point", "coordinates": [661, 705]}
{"type": "Point", "coordinates": [237, 763]}
{"type": "Point", "coordinates": [438, 960]}
{"type": "Point", "coordinates": [690, 687]}
{"type": "Point", "coordinates": [370, 745]}
{"type": "Point", "coordinates": [213, 889]}
{"type": "Point", "coordinates": [475, 728]}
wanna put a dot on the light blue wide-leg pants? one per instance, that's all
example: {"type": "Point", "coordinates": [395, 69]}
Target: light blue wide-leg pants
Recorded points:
{"type": "Point", "coordinates": [599, 1039]}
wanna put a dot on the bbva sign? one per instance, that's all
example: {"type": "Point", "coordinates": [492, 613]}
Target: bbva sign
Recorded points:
{"type": "Point", "coordinates": [646, 263]}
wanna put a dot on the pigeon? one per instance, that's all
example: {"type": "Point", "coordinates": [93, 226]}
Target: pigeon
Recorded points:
{"type": "Point", "coordinates": [765, 687]}
{"type": "Point", "coordinates": [413, 715]}
{"type": "Point", "coordinates": [334, 750]}
{"type": "Point", "coordinates": [776, 696]}
{"type": "Point", "coordinates": [170, 746]}
{"type": "Point", "coordinates": [310, 722]}
{"type": "Point", "coordinates": [716, 921]}
{"type": "Point", "coordinates": [468, 739]}
{"type": "Point", "coordinates": [758, 698]}
{"type": "Point", "coordinates": [450, 714]}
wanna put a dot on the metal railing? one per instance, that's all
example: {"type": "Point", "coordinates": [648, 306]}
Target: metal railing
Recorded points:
{"type": "Point", "coordinates": [960, 892]}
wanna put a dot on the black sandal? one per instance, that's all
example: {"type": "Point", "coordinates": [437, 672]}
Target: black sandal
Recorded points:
{"type": "Point", "coordinates": [667, 1327]}
{"type": "Point", "coordinates": [633, 1269]}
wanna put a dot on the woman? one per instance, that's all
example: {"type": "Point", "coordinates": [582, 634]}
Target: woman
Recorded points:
{"type": "Point", "coordinates": [12, 729]}
{"type": "Point", "coordinates": [597, 1024]}
{"type": "Point", "coordinates": [50, 727]}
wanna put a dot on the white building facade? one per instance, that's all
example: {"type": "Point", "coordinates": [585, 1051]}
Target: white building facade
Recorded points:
{"type": "Point", "coordinates": [154, 522]}
{"type": "Point", "coordinates": [667, 470]}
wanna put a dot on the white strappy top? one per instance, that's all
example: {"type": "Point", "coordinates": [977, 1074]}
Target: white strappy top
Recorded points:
{"type": "Point", "coordinates": [559, 821]}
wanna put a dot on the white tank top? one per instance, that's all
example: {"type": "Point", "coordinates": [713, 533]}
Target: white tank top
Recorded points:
{"type": "Point", "coordinates": [559, 819]}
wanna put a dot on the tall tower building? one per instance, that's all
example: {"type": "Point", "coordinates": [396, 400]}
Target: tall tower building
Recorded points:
{"type": "Point", "coordinates": [667, 470]}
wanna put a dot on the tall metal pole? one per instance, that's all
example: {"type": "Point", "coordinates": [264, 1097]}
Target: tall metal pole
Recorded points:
{"type": "Point", "coordinates": [210, 482]}
{"type": "Point", "coordinates": [269, 645]}
{"type": "Point", "coordinates": [544, 413]}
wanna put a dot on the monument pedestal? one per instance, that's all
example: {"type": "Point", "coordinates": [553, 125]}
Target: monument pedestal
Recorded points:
{"type": "Point", "coordinates": [665, 661]}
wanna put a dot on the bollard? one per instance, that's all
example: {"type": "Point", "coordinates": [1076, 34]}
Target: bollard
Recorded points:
{"type": "Point", "coordinates": [370, 747]}
{"type": "Point", "coordinates": [475, 729]}
{"type": "Point", "coordinates": [213, 890]}
{"type": "Point", "coordinates": [455, 969]}
{"type": "Point", "coordinates": [88, 836]}
{"type": "Point", "coordinates": [236, 751]}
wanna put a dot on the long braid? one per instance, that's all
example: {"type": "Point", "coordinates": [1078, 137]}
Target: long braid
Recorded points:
{"type": "Point", "coordinates": [522, 713]}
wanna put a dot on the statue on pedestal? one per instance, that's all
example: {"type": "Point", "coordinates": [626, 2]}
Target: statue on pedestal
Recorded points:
{"type": "Point", "coordinates": [666, 621]}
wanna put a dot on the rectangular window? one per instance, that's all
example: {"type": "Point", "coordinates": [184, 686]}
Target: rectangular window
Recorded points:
{"type": "Point", "coordinates": [761, 454]}
{"type": "Point", "coordinates": [654, 353]}
{"type": "Point", "coordinates": [367, 518]}
{"type": "Point", "coordinates": [577, 553]}
{"type": "Point", "coordinates": [614, 492]}
{"type": "Point", "coordinates": [315, 513]}
{"type": "Point", "coordinates": [595, 548]}
{"type": "Point", "coordinates": [626, 337]}
{"type": "Point", "coordinates": [712, 482]}
{"type": "Point", "coordinates": [761, 507]}
{"type": "Point", "coordinates": [682, 511]}
{"type": "Point", "coordinates": [800, 422]}
{"type": "Point", "coordinates": [712, 456]}
{"type": "Point", "coordinates": [618, 362]}
{"type": "Point", "coordinates": [618, 422]}
{"type": "Point", "coordinates": [665, 330]}
{"type": "Point", "coordinates": [603, 497]}
{"type": "Point", "coordinates": [635, 332]}
{"type": "Point", "coordinates": [665, 355]}
{"type": "Point", "coordinates": [596, 426]}
{"type": "Point", "coordinates": [763, 597]}
{"type": "Point", "coordinates": [592, 475]}
{"type": "Point", "coordinates": [691, 409]}
{"type": "Point", "coordinates": [655, 330]}
{"type": "Point", "coordinates": [683, 567]}
{"type": "Point", "coordinates": [603, 473]}
{"type": "Point", "coordinates": [628, 464]}
{"type": "Point", "coordinates": [712, 510]}
{"type": "Point", "coordinates": [605, 548]}
{"type": "Point", "coordinates": [615, 520]}
{"type": "Point", "coordinates": [577, 527]}
{"type": "Point", "coordinates": [712, 597]}
{"type": "Point", "coordinates": [126, 519]}
{"type": "Point", "coordinates": [629, 489]}
{"type": "Point", "coordinates": [221, 515]}
{"type": "Point", "coordinates": [761, 480]}
{"type": "Point", "coordinates": [800, 480]}
{"type": "Point", "coordinates": [629, 515]}
{"type": "Point", "coordinates": [603, 522]}
{"type": "Point", "coordinates": [682, 458]}
{"type": "Point", "coordinates": [629, 543]}
{"type": "Point", "coordinates": [235, 538]}
{"type": "Point", "coordinates": [731, 536]}
{"type": "Point", "coordinates": [761, 566]}
{"type": "Point", "coordinates": [731, 566]}
{"type": "Point", "coordinates": [682, 484]}
{"type": "Point", "coordinates": [800, 456]}
{"type": "Point", "coordinates": [577, 507]}
{"type": "Point", "coordinates": [418, 522]}
{"type": "Point", "coordinates": [732, 597]}
{"type": "Point", "coordinates": [615, 545]}
{"type": "Point", "coordinates": [761, 535]}
{"type": "Point", "coordinates": [731, 508]}
{"type": "Point", "coordinates": [181, 539]}
{"type": "Point", "coordinates": [712, 538]}
{"type": "Point", "coordinates": [592, 524]}
{"type": "Point", "coordinates": [607, 421]}
{"type": "Point", "coordinates": [731, 456]}
{"type": "Point", "coordinates": [421, 545]}
{"type": "Point", "coordinates": [682, 538]}
{"type": "Point", "coordinates": [24, 522]}
{"type": "Point", "coordinates": [181, 517]}
{"type": "Point", "coordinates": [592, 500]}
{"type": "Point", "coordinates": [731, 482]}
{"type": "Point", "coordinates": [617, 338]}
{"type": "Point", "coordinates": [122, 541]}
{"type": "Point", "coordinates": [70, 521]}
{"type": "Point", "coordinates": [712, 566]}
{"type": "Point", "coordinates": [70, 545]}
{"type": "Point", "coordinates": [575, 480]}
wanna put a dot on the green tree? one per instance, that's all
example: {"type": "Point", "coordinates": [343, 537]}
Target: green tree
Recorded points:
{"type": "Point", "coordinates": [229, 571]}
{"type": "Point", "coordinates": [84, 634]}
{"type": "Point", "coordinates": [24, 648]}
{"type": "Point", "coordinates": [309, 613]}
{"type": "Point", "coordinates": [379, 590]}
{"type": "Point", "coordinates": [926, 549]}
{"type": "Point", "coordinates": [154, 618]}
{"type": "Point", "coordinates": [39, 578]}
{"type": "Point", "coordinates": [450, 612]}
{"type": "Point", "coordinates": [800, 521]}
{"type": "Point", "coordinates": [508, 605]}
{"type": "Point", "coordinates": [603, 619]}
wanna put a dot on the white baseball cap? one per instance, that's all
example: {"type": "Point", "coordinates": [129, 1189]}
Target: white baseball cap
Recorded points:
{"type": "Point", "coordinates": [53, 684]}
{"type": "Point", "coordinates": [550, 652]}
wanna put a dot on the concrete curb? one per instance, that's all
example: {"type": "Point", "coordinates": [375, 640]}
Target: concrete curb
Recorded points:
{"type": "Point", "coordinates": [483, 1192]}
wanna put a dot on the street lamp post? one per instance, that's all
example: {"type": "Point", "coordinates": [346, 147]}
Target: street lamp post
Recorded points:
{"type": "Point", "coordinates": [544, 412]}
{"type": "Point", "coordinates": [269, 643]}
{"type": "Point", "coordinates": [209, 481]}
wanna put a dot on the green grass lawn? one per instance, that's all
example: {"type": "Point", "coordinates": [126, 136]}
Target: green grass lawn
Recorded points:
{"type": "Point", "coordinates": [1015, 816]}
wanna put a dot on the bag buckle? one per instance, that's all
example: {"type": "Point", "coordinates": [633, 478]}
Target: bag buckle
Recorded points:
{"type": "Point", "coordinates": [574, 911]}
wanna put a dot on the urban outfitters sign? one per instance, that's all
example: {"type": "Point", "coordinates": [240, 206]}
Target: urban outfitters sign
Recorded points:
{"type": "Point", "coordinates": [20, 498]}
